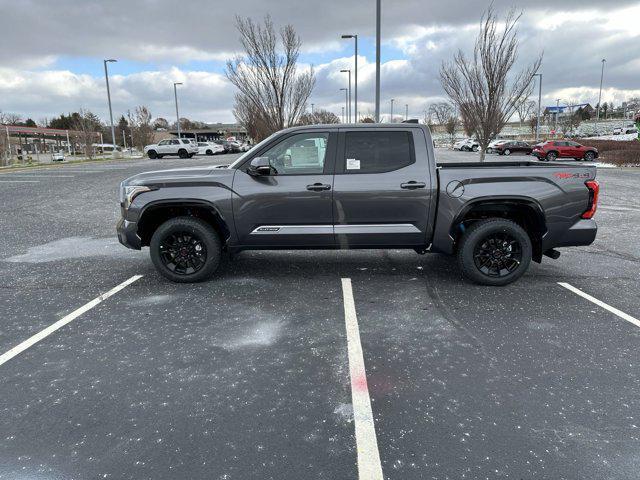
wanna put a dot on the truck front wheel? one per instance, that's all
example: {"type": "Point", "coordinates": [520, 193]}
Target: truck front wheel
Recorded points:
{"type": "Point", "coordinates": [494, 252]}
{"type": "Point", "coordinates": [185, 249]}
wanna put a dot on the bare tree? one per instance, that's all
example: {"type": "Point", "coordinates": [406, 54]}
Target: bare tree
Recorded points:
{"type": "Point", "coordinates": [525, 107]}
{"type": "Point", "coordinates": [141, 127]}
{"type": "Point", "coordinates": [482, 87]}
{"type": "Point", "coordinates": [318, 117]}
{"type": "Point", "coordinates": [450, 127]}
{"type": "Point", "coordinates": [270, 89]}
{"type": "Point", "coordinates": [11, 118]}
{"type": "Point", "coordinates": [440, 112]}
{"type": "Point", "coordinates": [87, 126]}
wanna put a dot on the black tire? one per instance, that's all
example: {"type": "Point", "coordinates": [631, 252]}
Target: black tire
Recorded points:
{"type": "Point", "coordinates": [182, 153]}
{"type": "Point", "coordinates": [191, 237]}
{"type": "Point", "coordinates": [507, 151]}
{"type": "Point", "coordinates": [589, 156]}
{"type": "Point", "coordinates": [475, 148]}
{"type": "Point", "coordinates": [152, 154]}
{"type": "Point", "coordinates": [551, 156]}
{"type": "Point", "coordinates": [490, 235]}
{"type": "Point", "coordinates": [208, 152]}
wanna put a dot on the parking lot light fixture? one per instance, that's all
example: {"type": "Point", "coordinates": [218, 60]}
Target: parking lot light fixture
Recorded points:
{"type": "Point", "coordinates": [391, 119]}
{"type": "Point", "coordinates": [346, 102]}
{"type": "Point", "coordinates": [175, 95]}
{"type": "Point", "coordinates": [349, 95]}
{"type": "Point", "coordinates": [539, 104]}
{"type": "Point", "coordinates": [378, 15]}
{"type": "Point", "coordinates": [406, 111]}
{"type": "Point", "coordinates": [355, 78]}
{"type": "Point", "coordinates": [106, 77]}
{"type": "Point", "coordinates": [600, 95]}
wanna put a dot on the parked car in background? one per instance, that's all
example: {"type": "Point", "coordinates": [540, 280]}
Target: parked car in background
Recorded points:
{"type": "Point", "coordinates": [182, 147]}
{"type": "Point", "coordinates": [245, 147]}
{"type": "Point", "coordinates": [209, 148]}
{"type": "Point", "coordinates": [555, 149]}
{"type": "Point", "coordinates": [466, 145]}
{"type": "Point", "coordinates": [57, 157]}
{"type": "Point", "coordinates": [491, 148]}
{"type": "Point", "coordinates": [513, 146]}
{"type": "Point", "coordinates": [629, 128]}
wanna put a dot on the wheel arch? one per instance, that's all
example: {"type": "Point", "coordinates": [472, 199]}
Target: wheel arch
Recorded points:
{"type": "Point", "coordinates": [156, 213]}
{"type": "Point", "coordinates": [524, 211]}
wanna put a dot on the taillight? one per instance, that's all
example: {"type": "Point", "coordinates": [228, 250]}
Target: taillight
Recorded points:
{"type": "Point", "coordinates": [594, 190]}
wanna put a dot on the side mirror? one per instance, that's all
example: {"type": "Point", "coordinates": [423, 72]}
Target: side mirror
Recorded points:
{"type": "Point", "coordinates": [259, 166]}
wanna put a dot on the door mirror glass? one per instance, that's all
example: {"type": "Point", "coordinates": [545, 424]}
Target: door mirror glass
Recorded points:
{"type": "Point", "coordinates": [259, 166]}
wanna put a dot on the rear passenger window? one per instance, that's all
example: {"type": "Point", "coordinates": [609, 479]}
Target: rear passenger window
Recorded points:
{"type": "Point", "coordinates": [376, 152]}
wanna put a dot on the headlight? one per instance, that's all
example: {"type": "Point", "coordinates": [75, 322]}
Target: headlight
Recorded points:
{"type": "Point", "coordinates": [129, 192]}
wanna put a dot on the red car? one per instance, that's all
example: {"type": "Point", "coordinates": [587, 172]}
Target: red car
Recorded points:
{"type": "Point", "coordinates": [554, 149]}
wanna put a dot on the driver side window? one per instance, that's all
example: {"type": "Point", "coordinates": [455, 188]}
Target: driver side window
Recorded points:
{"type": "Point", "coordinates": [301, 154]}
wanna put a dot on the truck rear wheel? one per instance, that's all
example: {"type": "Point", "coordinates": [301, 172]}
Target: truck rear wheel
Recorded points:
{"type": "Point", "coordinates": [182, 153]}
{"type": "Point", "coordinates": [494, 252]}
{"type": "Point", "coordinates": [185, 250]}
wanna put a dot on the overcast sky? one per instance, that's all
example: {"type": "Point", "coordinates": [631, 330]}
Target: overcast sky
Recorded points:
{"type": "Point", "coordinates": [52, 51]}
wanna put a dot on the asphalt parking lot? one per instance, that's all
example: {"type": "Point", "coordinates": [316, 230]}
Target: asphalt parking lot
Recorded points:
{"type": "Point", "coordinates": [250, 375]}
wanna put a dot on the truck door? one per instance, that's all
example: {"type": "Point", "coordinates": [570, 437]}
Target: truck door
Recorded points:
{"type": "Point", "coordinates": [382, 188]}
{"type": "Point", "coordinates": [291, 206]}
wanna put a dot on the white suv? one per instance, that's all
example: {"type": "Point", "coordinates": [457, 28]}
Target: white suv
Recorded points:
{"type": "Point", "coordinates": [182, 147]}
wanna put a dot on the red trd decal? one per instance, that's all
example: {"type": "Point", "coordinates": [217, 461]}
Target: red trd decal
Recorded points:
{"type": "Point", "coordinates": [563, 175]}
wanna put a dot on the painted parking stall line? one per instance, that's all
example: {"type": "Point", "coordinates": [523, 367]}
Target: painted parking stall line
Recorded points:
{"type": "Point", "coordinates": [5, 357]}
{"type": "Point", "coordinates": [600, 303]}
{"type": "Point", "coordinates": [369, 466]}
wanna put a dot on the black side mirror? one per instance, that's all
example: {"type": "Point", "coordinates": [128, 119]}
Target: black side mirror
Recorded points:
{"type": "Point", "coordinates": [259, 166]}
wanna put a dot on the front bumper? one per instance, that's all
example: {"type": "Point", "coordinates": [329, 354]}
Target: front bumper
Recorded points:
{"type": "Point", "coordinates": [583, 232]}
{"type": "Point", "coordinates": [128, 234]}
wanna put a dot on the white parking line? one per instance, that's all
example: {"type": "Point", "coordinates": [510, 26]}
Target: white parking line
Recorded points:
{"type": "Point", "coordinates": [5, 357]}
{"type": "Point", "coordinates": [30, 175]}
{"type": "Point", "coordinates": [615, 311]}
{"type": "Point", "coordinates": [369, 466]}
{"type": "Point", "coordinates": [19, 181]}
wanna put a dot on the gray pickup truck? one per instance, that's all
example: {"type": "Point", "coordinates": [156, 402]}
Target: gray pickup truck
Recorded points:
{"type": "Point", "coordinates": [359, 186]}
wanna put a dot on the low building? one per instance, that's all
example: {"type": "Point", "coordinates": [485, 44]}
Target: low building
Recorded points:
{"type": "Point", "coordinates": [213, 132]}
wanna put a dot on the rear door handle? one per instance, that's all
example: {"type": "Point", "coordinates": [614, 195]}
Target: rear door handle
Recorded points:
{"type": "Point", "coordinates": [318, 187]}
{"type": "Point", "coordinates": [412, 185]}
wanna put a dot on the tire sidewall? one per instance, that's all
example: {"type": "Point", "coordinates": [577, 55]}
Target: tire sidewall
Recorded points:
{"type": "Point", "coordinates": [475, 234]}
{"type": "Point", "coordinates": [198, 228]}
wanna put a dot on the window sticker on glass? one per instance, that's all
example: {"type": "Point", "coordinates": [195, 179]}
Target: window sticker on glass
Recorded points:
{"type": "Point", "coordinates": [353, 164]}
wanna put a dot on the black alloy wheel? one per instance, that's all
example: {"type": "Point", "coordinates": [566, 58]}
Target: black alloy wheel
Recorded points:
{"type": "Point", "coordinates": [494, 251]}
{"type": "Point", "coordinates": [498, 255]}
{"type": "Point", "coordinates": [589, 156]}
{"type": "Point", "coordinates": [183, 253]}
{"type": "Point", "coordinates": [186, 249]}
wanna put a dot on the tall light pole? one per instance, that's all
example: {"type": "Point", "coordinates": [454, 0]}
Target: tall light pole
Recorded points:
{"type": "Point", "coordinates": [539, 104]}
{"type": "Point", "coordinates": [343, 119]}
{"type": "Point", "coordinates": [378, 14]}
{"type": "Point", "coordinates": [355, 79]}
{"type": "Point", "coordinates": [346, 101]}
{"type": "Point", "coordinates": [349, 101]}
{"type": "Point", "coordinates": [312, 105]}
{"type": "Point", "coordinates": [175, 96]}
{"type": "Point", "coordinates": [557, 113]}
{"type": "Point", "coordinates": [600, 95]}
{"type": "Point", "coordinates": [391, 121]}
{"type": "Point", "coordinates": [106, 77]}
{"type": "Point", "coordinates": [406, 111]}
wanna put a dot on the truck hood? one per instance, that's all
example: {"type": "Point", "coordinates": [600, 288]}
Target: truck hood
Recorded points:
{"type": "Point", "coordinates": [183, 176]}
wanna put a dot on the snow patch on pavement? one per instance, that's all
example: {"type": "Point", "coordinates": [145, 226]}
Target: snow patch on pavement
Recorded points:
{"type": "Point", "coordinates": [262, 334]}
{"type": "Point", "coordinates": [69, 248]}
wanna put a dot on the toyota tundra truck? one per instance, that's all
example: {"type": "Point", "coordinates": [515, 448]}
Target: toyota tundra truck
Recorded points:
{"type": "Point", "coordinates": [359, 186]}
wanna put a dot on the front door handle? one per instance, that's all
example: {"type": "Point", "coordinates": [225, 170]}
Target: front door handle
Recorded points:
{"type": "Point", "coordinates": [412, 185]}
{"type": "Point", "coordinates": [318, 187]}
